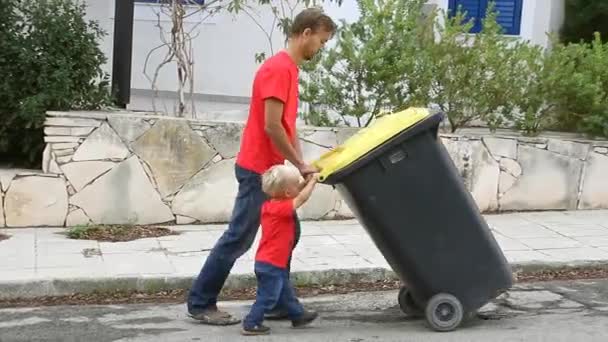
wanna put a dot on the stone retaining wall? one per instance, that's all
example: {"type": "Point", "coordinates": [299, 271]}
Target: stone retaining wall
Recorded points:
{"type": "Point", "coordinates": [112, 168]}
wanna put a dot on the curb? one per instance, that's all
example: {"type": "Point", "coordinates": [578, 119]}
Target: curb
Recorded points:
{"type": "Point", "coordinates": [66, 287]}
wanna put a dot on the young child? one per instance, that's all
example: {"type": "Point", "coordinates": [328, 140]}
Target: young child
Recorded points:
{"type": "Point", "coordinates": [283, 185]}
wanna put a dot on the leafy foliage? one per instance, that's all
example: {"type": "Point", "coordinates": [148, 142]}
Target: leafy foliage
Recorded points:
{"type": "Point", "coordinates": [49, 60]}
{"type": "Point", "coordinates": [584, 18]}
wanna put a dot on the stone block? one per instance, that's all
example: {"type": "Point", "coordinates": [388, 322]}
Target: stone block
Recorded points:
{"type": "Point", "coordinates": [46, 158]}
{"type": "Point", "coordinates": [128, 128]}
{"type": "Point", "coordinates": [549, 181]}
{"type": "Point", "coordinates": [510, 166]}
{"type": "Point", "coordinates": [595, 183]}
{"type": "Point", "coordinates": [77, 218]}
{"type": "Point", "coordinates": [322, 201]}
{"type": "Point", "coordinates": [343, 211]}
{"type": "Point", "coordinates": [61, 139]}
{"type": "Point", "coordinates": [71, 122]}
{"type": "Point", "coordinates": [54, 167]}
{"type": "Point", "coordinates": [64, 159]}
{"type": "Point", "coordinates": [63, 153]}
{"type": "Point", "coordinates": [62, 146]}
{"type": "Point", "coordinates": [506, 182]}
{"type": "Point", "coordinates": [72, 131]}
{"type": "Point", "coordinates": [179, 219]}
{"type": "Point", "coordinates": [568, 148]}
{"type": "Point", "coordinates": [602, 150]}
{"type": "Point", "coordinates": [174, 153]}
{"type": "Point", "coordinates": [461, 153]}
{"type": "Point", "coordinates": [79, 174]}
{"type": "Point", "coordinates": [226, 139]}
{"type": "Point", "coordinates": [484, 173]}
{"type": "Point", "coordinates": [7, 175]}
{"type": "Point", "coordinates": [209, 196]}
{"type": "Point", "coordinates": [344, 134]}
{"type": "Point", "coordinates": [36, 201]}
{"type": "Point", "coordinates": [500, 147]}
{"type": "Point", "coordinates": [102, 144]}
{"type": "Point", "coordinates": [2, 223]}
{"type": "Point", "coordinates": [124, 195]}
{"type": "Point", "coordinates": [315, 144]}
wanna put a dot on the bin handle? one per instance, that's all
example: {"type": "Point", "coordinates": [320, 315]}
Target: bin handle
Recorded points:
{"type": "Point", "coordinates": [319, 162]}
{"type": "Point", "coordinates": [395, 156]}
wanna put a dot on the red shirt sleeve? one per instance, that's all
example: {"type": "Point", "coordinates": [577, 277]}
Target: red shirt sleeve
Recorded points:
{"type": "Point", "coordinates": [282, 208]}
{"type": "Point", "coordinates": [275, 82]}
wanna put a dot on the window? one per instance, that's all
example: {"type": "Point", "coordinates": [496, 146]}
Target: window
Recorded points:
{"type": "Point", "coordinates": [509, 13]}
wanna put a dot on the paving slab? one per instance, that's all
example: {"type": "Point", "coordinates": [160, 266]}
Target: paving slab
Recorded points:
{"type": "Point", "coordinates": [34, 260]}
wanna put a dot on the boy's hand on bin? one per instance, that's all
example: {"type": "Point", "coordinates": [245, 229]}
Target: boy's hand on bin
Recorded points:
{"type": "Point", "coordinates": [313, 177]}
{"type": "Point", "coordinates": [306, 169]}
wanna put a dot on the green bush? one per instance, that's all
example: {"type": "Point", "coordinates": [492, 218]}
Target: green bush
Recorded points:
{"type": "Point", "coordinates": [473, 76]}
{"type": "Point", "coordinates": [395, 57]}
{"type": "Point", "coordinates": [363, 74]}
{"type": "Point", "coordinates": [49, 60]}
{"type": "Point", "coordinates": [591, 112]}
{"type": "Point", "coordinates": [584, 18]}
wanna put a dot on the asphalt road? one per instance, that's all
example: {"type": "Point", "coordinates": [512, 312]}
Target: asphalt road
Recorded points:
{"type": "Point", "coordinates": [558, 311]}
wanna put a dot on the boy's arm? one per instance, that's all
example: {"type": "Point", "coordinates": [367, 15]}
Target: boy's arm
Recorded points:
{"type": "Point", "coordinates": [304, 195]}
{"type": "Point", "coordinates": [273, 112]}
{"type": "Point", "coordinates": [298, 146]}
{"type": "Point", "coordinates": [273, 127]}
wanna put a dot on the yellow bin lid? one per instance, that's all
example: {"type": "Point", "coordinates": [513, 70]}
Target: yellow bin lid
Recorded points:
{"type": "Point", "coordinates": [367, 139]}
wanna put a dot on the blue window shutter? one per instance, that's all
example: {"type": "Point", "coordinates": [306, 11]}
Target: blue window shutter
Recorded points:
{"type": "Point", "coordinates": [475, 9]}
{"type": "Point", "coordinates": [509, 13]}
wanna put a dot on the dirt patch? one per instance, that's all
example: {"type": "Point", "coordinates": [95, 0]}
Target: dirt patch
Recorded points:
{"type": "Point", "coordinates": [564, 274]}
{"type": "Point", "coordinates": [117, 233]}
{"type": "Point", "coordinates": [4, 237]}
{"type": "Point", "coordinates": [179, 296]}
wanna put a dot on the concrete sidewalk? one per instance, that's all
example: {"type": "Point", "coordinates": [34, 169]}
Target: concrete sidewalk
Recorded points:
{"type": "Point", "coordinates": [41, 261]}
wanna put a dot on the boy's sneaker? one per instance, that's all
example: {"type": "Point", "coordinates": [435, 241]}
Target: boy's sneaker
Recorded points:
{"type": "Point", "coordinates": [256, 330]}
{"type": "Point", "coordinates": [276, 315]}
{"type": "Point", "coordinates": [304, 320]}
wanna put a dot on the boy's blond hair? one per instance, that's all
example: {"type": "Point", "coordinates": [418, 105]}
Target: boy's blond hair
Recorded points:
{"type": "Point", "coordinates": [277, 177]}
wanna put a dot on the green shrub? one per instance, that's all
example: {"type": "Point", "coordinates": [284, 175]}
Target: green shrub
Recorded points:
{"type": "Point", "coordinates": [566, 89]}
{"type": "Point", "coordinates": [583, 18]}
{"type": "Point", "coordinates": [391, 59]}
{"type": "Point", "coordinates": [473, 76]}
{"type": "Point", "coordinates": [49, 60]}
{"type": "Point", "coordinates": [364, 74]}
{"type": "Point", "coordinates": [592, 110]}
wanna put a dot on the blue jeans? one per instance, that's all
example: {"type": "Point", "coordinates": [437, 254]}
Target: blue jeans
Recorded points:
{"type": "Point", "coordinates": [274, 289]}
{"type": "Point", "coordinates": [235, 241]}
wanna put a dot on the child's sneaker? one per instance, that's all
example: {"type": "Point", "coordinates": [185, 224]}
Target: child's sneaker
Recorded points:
{"type": "Point", "coordinates": [256, 330]}
{"type": "Point", "coordinates": [306, 318]}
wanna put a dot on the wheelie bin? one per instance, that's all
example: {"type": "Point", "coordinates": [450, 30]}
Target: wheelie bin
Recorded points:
{"type": "Point", "coordinates": [403, 187]}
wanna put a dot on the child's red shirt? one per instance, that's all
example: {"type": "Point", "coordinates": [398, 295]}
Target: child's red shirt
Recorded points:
{"type": "Point", "coordinates": [278, 232]}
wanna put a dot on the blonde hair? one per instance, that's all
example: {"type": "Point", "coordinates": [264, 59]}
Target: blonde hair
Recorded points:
{"type": "Point", "coordinates": [277, 177]}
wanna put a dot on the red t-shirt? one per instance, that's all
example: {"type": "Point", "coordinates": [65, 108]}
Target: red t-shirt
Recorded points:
{"type": "Point", "coordinates": [278, 232]}
{"type": "Point", "coordinates": [276, 78]}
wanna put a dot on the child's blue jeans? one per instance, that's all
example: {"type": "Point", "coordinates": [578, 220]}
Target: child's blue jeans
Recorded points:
{"type": "Point", "coordinates": [274, 287]}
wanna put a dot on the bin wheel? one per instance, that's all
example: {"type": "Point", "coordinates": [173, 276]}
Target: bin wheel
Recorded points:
{"type": "Point", "coordinates": [444, 312]}
{"type": "Point", "coordinates": [407, 304]}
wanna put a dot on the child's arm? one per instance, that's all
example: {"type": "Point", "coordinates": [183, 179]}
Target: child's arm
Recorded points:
{"type": "Point", "coordinates": [304, 195]}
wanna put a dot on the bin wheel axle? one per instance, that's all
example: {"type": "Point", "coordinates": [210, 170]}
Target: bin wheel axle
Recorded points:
{"type": "Point", "coordinates": [444, 312]}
